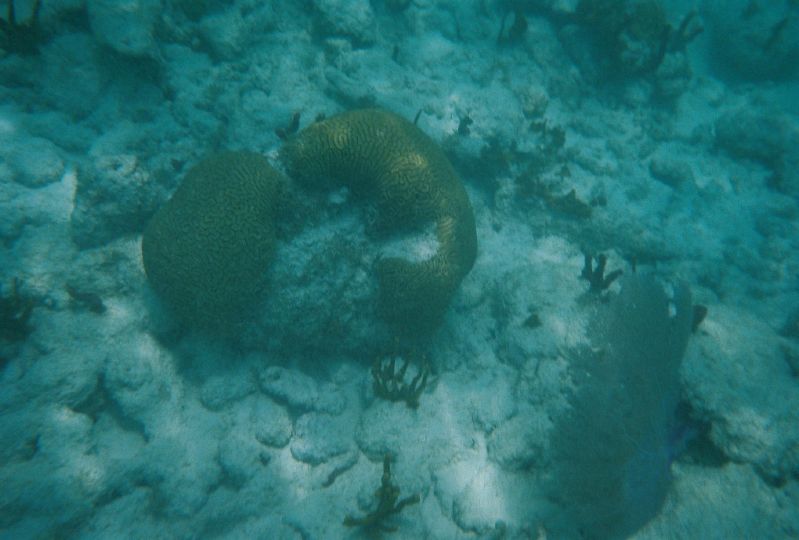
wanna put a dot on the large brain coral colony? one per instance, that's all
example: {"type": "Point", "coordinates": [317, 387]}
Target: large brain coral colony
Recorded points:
{"type": "Point", "coordinates": [380, 154]}
{"type": "Point", "coordinates": [206, 251]}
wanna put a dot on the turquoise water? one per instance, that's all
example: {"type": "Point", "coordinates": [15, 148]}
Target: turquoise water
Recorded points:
{"type": "Point", "coordinates": [435, 269]}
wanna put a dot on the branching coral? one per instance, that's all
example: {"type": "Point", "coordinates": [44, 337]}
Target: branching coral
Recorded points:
{"type": "Point", "coordinates": [388, 504]}
{"type": "Point", "coordinates": [596, 277]}
{"type": "Point", "coordinates": [687, 31]}
{"type": "Point", "coordinates": [391, 384]}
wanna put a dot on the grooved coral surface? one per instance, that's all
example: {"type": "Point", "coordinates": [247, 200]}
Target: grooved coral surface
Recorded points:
{"type": "Point", "coordinates": [381, 155]}
{"type": "Point", "coordinates": [207, 250]}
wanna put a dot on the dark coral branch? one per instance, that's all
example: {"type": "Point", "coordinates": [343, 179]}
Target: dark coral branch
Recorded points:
{"type": "Point", "coordinates": [596, 277]}
{"type": "Point", "coordinates": [284, 133]}
{"type": "Point", "coordinates": [389, 382]}
{"type": "Point", "coordinates": [387, 496]}
{"type": "Point", "coordinates": [686, 32]}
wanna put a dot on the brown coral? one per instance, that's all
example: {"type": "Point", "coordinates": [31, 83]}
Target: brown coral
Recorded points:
{"type": "Point", "coordinates": [207, 250]}
{"type": "Point", "coordinates": [382, 156]}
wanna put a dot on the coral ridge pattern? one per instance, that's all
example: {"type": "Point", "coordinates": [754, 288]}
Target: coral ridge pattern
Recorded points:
{"type": "Point", "coordinates": [382, 156]}
{"type": "Point", "coordinates": [207, 250]}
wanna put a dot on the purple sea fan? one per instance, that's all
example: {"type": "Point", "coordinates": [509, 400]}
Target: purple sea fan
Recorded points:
{"type": "Point", "coordinates": [613, 449]}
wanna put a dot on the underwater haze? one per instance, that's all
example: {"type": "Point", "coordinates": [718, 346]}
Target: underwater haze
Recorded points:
{"type": "Point", "coordinates": [442, 269]}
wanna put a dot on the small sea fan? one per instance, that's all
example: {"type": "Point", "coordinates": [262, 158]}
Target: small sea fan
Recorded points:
{"type": "Point", "coordinates": [613, 449]}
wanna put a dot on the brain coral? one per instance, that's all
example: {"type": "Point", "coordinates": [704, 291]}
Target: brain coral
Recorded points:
{"type": "Point", "coordinates": [383, 156]}
{"type": "Point", "coordinates": [206, 251]}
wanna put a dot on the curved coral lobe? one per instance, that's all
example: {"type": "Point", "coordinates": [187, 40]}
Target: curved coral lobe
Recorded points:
{"type": "Point", "coordinates": [207, 250]}
{"type": "Point", "coordinates": [381, 155]}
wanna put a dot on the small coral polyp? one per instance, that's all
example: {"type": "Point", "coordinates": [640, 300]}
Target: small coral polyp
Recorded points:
{"type": "Point", "coordinates": [382, 156]}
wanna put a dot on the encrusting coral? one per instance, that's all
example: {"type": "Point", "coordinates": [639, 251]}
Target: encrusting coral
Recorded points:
{"type": "Point", "coordinates": [207, 249]}
{"type": "Point", "coordinates": [380, 155]}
